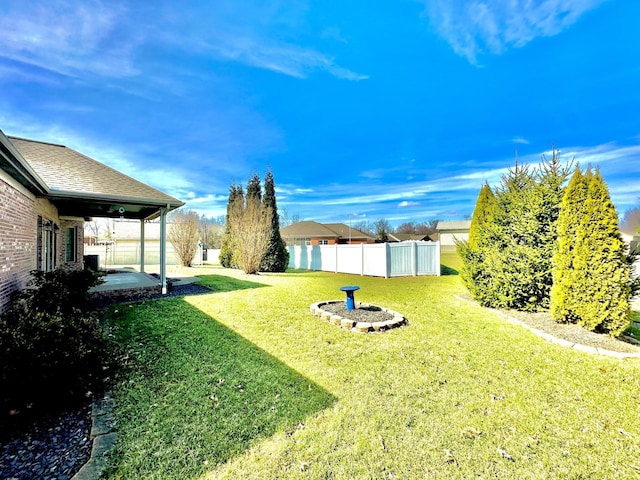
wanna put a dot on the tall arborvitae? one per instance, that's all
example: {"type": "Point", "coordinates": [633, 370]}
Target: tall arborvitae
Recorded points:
{"type": "Point", "coordinates": [565, 277]}
{"type": "Point", "coordinates": [592, 274]}
{"type": "Point", "coordinates": [228, 247]}
{"type": "Point", "coordinates": [472, 251]}
{"type": "Point", "coordinates": [254, 190]}
{"type": "Point", "coordinates": [482, 215]}
{"type": "Point", "coordinates": [277, 257]}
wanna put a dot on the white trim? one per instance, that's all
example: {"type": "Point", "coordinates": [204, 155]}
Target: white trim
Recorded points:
{"type": "Point", "coordinates": [4, 176]}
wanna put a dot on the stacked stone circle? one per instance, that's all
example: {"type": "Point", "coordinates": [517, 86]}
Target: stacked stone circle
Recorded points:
{"type": "Point", "coordinates": [360, 327]}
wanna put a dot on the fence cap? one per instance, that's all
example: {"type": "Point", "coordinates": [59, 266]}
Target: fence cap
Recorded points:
{"type": "Point", "coordinates": [350, 288]}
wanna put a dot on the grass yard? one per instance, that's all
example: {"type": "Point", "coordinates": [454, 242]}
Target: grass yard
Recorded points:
{"type": "Point", "coordinates": [245, 383]}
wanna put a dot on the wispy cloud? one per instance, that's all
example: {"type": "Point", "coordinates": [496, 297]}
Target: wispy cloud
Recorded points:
{"type": "Point", "coordinates": [520, 140]}
{"type": "Point", "coordinates": [66, 37]}
{"type": "Point", "coordinates": [280, 57]}
{"type": "Point", "coordinates": [477, 27]}
{"type": "Point", "coordinates": [454, 196]}
{"type": "Point", "coordinates": [165, 178]}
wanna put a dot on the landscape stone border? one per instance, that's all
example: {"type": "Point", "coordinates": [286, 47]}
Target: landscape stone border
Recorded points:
{"type": "Point", "coordinates": [359, 327]}
{"type": "Point", "coordinates": [104, 439]}
{"type": "Point", "coordinates": [553, 339]}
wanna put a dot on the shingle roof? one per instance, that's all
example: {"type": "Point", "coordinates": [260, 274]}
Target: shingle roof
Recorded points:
{"type": "Point", "coordinates": [406, 237]}
{"type": "Point", "coordinates": [454, 225]}
{"type": "Point", "coordinates": [318, 230]}
{"type": "Point", "coordinates": [307, 229]}
{"type": "Point", "coordinates": [65, 169]}
{"type": "Point", "coordinates": [346, 231]}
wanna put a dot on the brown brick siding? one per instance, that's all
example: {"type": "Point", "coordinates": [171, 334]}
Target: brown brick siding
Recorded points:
{"type": "Point", "coordinates": [17, 241]}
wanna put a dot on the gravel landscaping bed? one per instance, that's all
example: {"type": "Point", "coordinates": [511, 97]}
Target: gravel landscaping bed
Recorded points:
{"type": "Point", "coordinates": [53, 448]}
{"type": "Point", "coordinates": [57, 447]}
{"type": "Point", "coordinates": [572, 333]}
{"type": "Point", "coordinates": [361, 313]}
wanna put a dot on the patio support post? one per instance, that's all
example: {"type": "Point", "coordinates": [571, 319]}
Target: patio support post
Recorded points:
{"type": "Point", "coordinates": [163, 249]}
{"type": "Point", "coordinates": [142, 245]}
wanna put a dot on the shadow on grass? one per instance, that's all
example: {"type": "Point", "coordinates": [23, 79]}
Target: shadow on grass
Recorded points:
{"type": "Point", "coordinates": [193, 394]}
{"type": "Point", "coordinates": [222, 283]}
{"type": "Point", "coordinates": [444, 270]}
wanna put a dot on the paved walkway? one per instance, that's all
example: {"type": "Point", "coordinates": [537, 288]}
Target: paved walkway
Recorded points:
{"type": "Point", "coordinates": [129, 280]}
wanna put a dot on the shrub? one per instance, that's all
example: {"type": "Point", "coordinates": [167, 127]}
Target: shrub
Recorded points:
{"type": "Point", "coordinates": [507, 261]}
{"type": "Point", "coordinates": [592, 274]}
{"type": "Point", "coordinates": [51, 344]}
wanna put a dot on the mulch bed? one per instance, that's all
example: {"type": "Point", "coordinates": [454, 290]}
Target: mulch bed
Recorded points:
{"type": "Point", "coordinates": [362, 313]}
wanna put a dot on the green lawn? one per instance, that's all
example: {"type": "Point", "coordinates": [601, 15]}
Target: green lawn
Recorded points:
{"type": "Point", "coordinates": [246, 383]}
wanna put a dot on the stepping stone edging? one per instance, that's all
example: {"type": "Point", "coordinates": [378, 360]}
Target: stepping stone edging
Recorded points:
{"type": "Point", "coordinates": [360, 327]}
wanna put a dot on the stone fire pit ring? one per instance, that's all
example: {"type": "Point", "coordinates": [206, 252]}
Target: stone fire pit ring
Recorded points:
{"type": "Point", "coordinates": [397, 320]}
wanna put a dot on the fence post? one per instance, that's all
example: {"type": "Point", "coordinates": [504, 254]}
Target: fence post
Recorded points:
{"type": "Point", "coordinates": [387, 260]}
{"type": "Point", "coordinates": [361, 259]}
{"type": "Point", "coordinates": [438, 273]}
{"type": "Point", "coordinates": [414, 257]}
{"type": "Point", "coordinates": [336, 245]}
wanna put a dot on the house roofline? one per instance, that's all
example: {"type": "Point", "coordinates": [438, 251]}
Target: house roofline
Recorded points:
{"type": "Point", "coordinates": [28, 177]}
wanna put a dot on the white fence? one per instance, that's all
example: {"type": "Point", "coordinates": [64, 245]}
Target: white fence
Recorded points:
{"type": "Point", "coordinates": [377, 260]}
{"type": "Point", "coordinates": [129, 254]}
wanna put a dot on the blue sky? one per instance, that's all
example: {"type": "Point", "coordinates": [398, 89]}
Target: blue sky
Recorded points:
{"type": "Point", "coordinates": [397, 110]}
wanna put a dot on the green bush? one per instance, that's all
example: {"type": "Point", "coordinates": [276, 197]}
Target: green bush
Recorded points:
{"type": "Point", "coordinates": [51, 344]}
{"type": "Point", "coordinates": [592, 285]}
{"type": "Point", "coordinates": [507, 260]}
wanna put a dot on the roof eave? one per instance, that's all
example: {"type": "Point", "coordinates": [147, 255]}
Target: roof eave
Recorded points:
{"type": "Point", "coordinates": [28, 177]}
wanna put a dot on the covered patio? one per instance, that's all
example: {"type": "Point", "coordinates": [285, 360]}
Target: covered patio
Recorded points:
{"type": "Point", "coordinates": [81, 188]}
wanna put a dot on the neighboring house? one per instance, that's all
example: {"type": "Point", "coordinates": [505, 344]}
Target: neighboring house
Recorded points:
{"type": "Point", "coordinates": [47, 191]}
{"type": "Point", "coordinates": [408, 237]}
{"type": "Point", "coordinates": [314, 233]}
{"type": "Point", "coordinates": [450, 232]}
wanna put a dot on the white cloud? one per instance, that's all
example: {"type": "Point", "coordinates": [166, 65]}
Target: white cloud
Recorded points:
{"type": "Point", "coordinates": [477, 27]}
{"type": "Point", "coordinates": [125, 160]}
{"type": "Point", "coordinates": [284, 58]}
{"type": "Point", "coordinates": [407, 204]}
{"type": "Point", "coordinates": [66, 37]}
{"type": "Point", "coordinates": [520, 140]}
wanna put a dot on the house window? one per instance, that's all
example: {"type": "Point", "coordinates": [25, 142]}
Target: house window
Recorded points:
{"type": "Point", "coordinates": [307, 241]}
{"type": "Point", "coordinates": [71, 244]}
{"type": "Point", "coordinates": [323, 242]}
{"type": "Point", "coordinates": [47, 243]}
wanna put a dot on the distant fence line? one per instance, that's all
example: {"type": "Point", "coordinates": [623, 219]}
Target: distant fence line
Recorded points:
{"type": "Point", "coordinates": [129, 254]}
{"type": "Point", "coordinates": [377, 260]}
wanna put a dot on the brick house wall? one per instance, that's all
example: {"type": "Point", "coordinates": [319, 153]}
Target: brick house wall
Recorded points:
{"type": "Point", "coordinates": [18, 228]}
{"type": "Point", "coordinates": [19, 243]}
{"type": "Point", "coordinates": [77, 227]}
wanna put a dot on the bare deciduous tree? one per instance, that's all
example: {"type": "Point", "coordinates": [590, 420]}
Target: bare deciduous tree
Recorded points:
{"type": "Point", "coordinates": [183, 235]}
{"type": "Point", "coordinates": [250, 224]}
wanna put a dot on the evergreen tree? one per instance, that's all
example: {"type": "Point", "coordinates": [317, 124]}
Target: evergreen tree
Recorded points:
{"type": "Point", "coordinates": [276, 258]}
{"type": "Point", "coordinates": [507, 261]}
{"type": "Point", "coordinates": [472, 272]}
{"type": "Point", "coordinates": [228, 246]}
{"type": "Point", "coordinates": [254, 190]}
{"type": "Point", "coordinates": [593, 274]}
{"type": "Point", "coordinates": [565, 277]}
{"type": "Point", "coordinates": [482, 215]}
{"type": "Point", "coordinates": [509, 251]}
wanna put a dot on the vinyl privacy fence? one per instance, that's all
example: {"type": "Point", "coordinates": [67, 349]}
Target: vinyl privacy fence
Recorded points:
{"type": "Point", "coordinates": [377, 260]}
